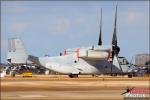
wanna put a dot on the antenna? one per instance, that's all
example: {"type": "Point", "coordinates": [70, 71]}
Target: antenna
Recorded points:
{"type": "Point", "coordinates": [100, 35]}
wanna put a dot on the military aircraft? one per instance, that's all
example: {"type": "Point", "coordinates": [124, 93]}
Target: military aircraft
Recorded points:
{"type": "Point", "coordinates": [99, 59]}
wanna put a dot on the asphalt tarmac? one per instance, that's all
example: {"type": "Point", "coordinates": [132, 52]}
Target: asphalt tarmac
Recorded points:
{"type": "Point", "coordinates": [64, 88]}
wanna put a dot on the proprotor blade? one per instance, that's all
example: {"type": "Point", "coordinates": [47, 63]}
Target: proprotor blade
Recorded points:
{"type": "Point", "coordinates": [114, 39]}
{"type": "Point", "coordinates": [115, 47]}
{"type": "Point", "coordinates": [100, 35]}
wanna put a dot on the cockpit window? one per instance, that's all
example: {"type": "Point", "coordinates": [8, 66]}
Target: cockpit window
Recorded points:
{"type": "Point", "coordinates": [123, 61]}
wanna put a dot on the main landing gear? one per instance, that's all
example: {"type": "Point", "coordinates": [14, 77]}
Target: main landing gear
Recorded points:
{"type": "Point", "coordinates": [73, 75]}
{"type": "Point", "coordinates": [130, 75]}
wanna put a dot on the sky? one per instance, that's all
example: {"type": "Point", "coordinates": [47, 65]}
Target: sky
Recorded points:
{"type": "Point", "coordinates": [49, 27]}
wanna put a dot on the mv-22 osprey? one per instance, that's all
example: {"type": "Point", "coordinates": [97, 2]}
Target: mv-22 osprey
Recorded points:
{"type": "Point", "coordinates": [99, 59]}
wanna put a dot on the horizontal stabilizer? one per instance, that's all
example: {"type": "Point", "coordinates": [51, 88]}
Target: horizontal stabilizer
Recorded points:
{"type": "Point", "coordinates": [34, 59]}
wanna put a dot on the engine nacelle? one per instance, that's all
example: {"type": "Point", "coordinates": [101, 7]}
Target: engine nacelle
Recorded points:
{"type": "Point", "coordinates": [94, 54]}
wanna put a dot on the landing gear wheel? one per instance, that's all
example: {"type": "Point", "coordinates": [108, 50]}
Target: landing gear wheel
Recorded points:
{"type": "Point", "coordinates": [114, 74]}
{"type": "Point", "coordinates": [73, 75]}
{"type": "Point", "coordinates": [130, 76]}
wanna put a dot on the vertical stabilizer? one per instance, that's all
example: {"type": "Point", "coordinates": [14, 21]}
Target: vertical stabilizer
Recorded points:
{"type": "Point", "coordinates": [16, 51]}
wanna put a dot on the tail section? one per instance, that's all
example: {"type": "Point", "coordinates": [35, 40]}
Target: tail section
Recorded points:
{"type": "Point", "coordinates": [16, 52]}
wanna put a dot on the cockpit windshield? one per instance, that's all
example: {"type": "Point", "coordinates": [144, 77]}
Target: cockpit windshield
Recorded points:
{"type": "Point", "coordinates": [123, 61]}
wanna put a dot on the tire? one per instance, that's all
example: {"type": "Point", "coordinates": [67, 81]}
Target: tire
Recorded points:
{"type": "Point", "coordinates": [73, 75]}
{"type": "Point", "coordinates": [130, 76]}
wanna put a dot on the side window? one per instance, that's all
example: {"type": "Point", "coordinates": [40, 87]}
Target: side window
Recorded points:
{"type": "Point", "coordinates": [124, 61]}
{"type": "Point", "coordinates": [75, 61]}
